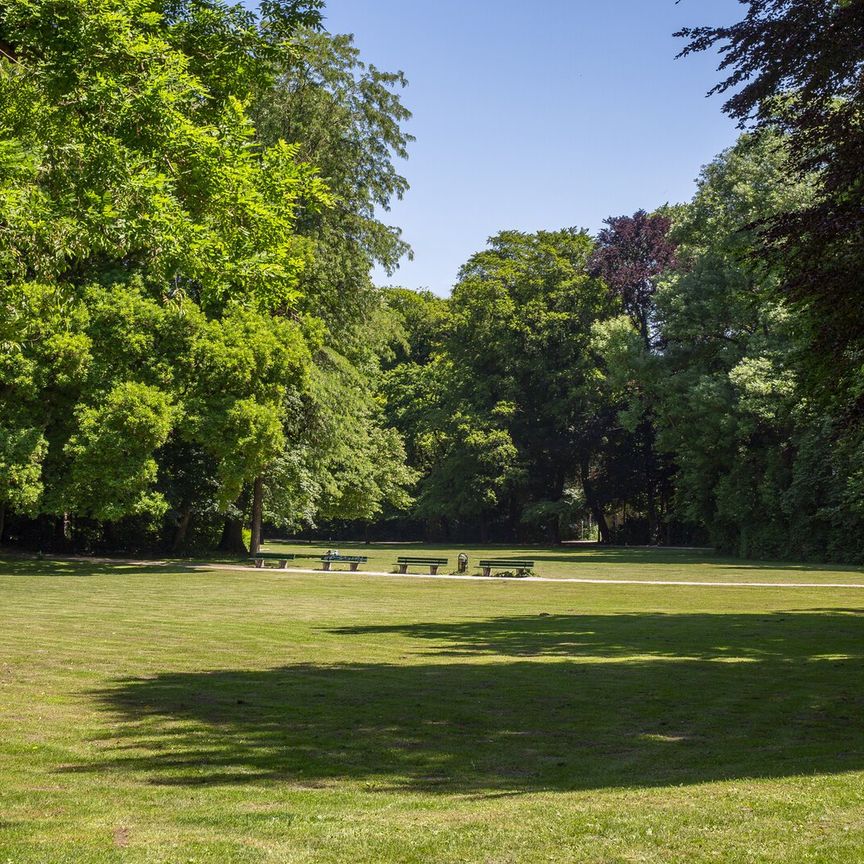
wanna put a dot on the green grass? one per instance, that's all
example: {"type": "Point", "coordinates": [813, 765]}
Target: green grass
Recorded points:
{"type": "Point", "coordinates": [587, 562]}
{"type": "Point", "coordinates": [163, 714]}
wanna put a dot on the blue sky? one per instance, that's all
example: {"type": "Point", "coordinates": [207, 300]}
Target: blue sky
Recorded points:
{"type": "Point", "coordinates": [543, 114]}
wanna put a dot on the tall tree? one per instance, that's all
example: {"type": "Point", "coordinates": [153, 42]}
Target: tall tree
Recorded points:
{"type": "Point", "coordinates": [348, 119]}
{"type": "Point", "coordinates": [141, 224]}
{"type": "Point", "coordinates": [341, 462]}
{"type": "Point", "coordinates": [504, 415]}
{"type": "Point", "coordinates": [758, 464]}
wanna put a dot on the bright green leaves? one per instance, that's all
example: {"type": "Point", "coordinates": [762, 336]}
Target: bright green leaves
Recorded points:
{"type": "Point", "coordinates": [118, 159]}
{"type": "Point", "coordinates": [239, 380]}
{"type": "Point", "coordinates": [358, 464]}
{"type": "Point", "coordinates": [157, 252]}
{"type": "Point", "coordinates": [245, 439]}
{"type": "Point", "coordinates": [107, 376]}
{"type": "Point", "coordinates": [113, 468]}
{"type": "Point", "coordinates": [22, 450]}
{"type": "Point", "coordinates": [149, 251]}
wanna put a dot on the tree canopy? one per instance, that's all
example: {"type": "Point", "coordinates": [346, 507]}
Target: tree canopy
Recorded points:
{"type": "Point", "coordinates": [157, 303]}
{"type": "Point", "coordinates": [193, 197]}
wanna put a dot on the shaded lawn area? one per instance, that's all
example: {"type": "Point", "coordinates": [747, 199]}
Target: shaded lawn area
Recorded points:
{"type": "Point", "coordinates": [149, 715]}
{"type": "Point", "coordinates": [584, 561]}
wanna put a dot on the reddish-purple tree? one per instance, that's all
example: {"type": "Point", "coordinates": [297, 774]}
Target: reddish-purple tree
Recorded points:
{"type": "Point", "coordinates": [632, 252]}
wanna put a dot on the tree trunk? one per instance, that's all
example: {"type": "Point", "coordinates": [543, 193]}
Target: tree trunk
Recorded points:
{"type": "Point", "coordinates": [593, 504]}
{"type": "Point", "coordinates": [2, 520]}
{"type": "Point", "coordinates": [61, 533]}
{"type": "Point", "coordinates": [653, 523]}
{"type": "Point", "coordinates": [257, 512]}
{"type": "Point", "coordinates": [232, 537]}
{"type": "Point", "coordinates": [650, 483]}
{"type": "Point", "coordinates": [182, 530]}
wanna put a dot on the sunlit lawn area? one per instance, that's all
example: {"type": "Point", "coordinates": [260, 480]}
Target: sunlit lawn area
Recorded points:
{"type": "Point", "coordinates": [161, 714]}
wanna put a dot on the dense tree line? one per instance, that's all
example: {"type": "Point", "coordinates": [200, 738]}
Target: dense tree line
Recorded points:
{"type": "Point", "coordinates": [651, 380]}
{"type": "Point", "coordinates": [190, 341]}
{"type": "Point", "coordinates": [187, 323]}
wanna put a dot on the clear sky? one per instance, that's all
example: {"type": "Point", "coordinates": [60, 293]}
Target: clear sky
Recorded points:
{"type": "Point", "coordinates": [538, 114]}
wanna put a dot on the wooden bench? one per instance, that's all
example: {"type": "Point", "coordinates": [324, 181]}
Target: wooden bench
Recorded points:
{"type": "Point", "coordinates": [520, 565]}
{"type": "Point", "coordinates": [404, 562]}
{"type": "Point", "coordinates": [281, 557]}
{"type": "Point", "coordinates": [353, 560]}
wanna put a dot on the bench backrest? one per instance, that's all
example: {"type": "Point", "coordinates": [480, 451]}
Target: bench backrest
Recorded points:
{"type": "Point", "coordinates": [507, 562]}
{"type": "Point", "coordinates": [406, 560]}
{"type": "Point", "coordinates": [360, 559]}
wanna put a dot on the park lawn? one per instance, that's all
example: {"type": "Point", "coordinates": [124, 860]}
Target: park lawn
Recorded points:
{"type": "Point", "coordinates": [585, 562]}
{"type": "Point", "coordinates": [163, 714]}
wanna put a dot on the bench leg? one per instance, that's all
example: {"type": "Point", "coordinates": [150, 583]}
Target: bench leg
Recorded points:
{"type": "Point", "coordinates": [487, 571]}
{"type": "Point", "coordinates": [403, 568]}
{"type": "Point", "coordinates": [433, 569]}
{"type": "Point", "coordinates": [354, 566]}
{"type": "Point", "coordinates": [259, 562]}
{"type": "Point", "coordinates": [283, 564]}
{"type": "Point", "coordinates": [326, 565]}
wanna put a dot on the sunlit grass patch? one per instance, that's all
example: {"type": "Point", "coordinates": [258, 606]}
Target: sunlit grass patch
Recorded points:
{"type": "Point", "coordinates": [151, 715]}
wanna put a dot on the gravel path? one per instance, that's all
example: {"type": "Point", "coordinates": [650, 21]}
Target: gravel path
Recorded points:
{"type": "Point", "coordinates": [182, 565]}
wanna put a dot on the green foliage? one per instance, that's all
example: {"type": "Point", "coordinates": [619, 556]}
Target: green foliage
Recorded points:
{"type": "Point", "coordinates": [755, 460]}
{"type": "Point", "coordinates": [113, 167]}
{"type": "Point", "coordinates": [111, 453]}
{"type": "Point", "coordinates": [346, 118]}
{"type": "Point", "coordinates": [159, 326]}
{"type": "Point", "coordinates": [21, 453]}
{"type": "Point", "coordinates": [357, 462]}
{"type": "Point", "coordinates": [497, 392]}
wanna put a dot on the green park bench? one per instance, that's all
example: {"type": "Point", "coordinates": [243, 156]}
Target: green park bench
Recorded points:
{"type": "Point", "coordinates": [353, 560]}
{"type": "Point", "coordinates": [260, 557]}
{"type": "Point", "coordinates": [519, 565]}
{"type": "Point", "coordinates": [404, 562]}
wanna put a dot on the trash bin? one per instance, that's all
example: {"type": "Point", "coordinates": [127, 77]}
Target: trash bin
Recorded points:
{"type": "Point", "coordinates": [463, 562]}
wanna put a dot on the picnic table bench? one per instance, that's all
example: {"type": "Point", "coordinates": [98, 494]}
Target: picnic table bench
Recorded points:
{"type": "Point", "coordinates": [353, 560]}
{"type": "Point", "coordinates": [520, 565]}
{"type": "Point", "coordinates": [260, 557]}
{"type": "Point", "coordinates": [406, 561]}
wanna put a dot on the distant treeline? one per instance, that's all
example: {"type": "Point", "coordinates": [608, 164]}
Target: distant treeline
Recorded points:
{"type": "Point", "coordinates": [191, 344]}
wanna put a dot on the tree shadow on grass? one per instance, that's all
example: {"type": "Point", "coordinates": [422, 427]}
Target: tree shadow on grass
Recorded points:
{"type": "Point", "coordinates": [34, 566]}
{"type": "Point", "coordinates": [778, 637]}
{"type": "Point", "coordinates": [602, 701]}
